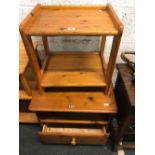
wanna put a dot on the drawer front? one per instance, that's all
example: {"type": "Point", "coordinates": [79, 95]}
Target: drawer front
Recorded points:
{"type": "Point", "coordinates": [54, 139]}
{"type": "Point", "coordinates": [92, 140]}
{"type": "Point", "coordinates": [73, 136]}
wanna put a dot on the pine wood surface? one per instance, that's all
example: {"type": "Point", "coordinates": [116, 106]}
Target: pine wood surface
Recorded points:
{"type": "Point", "coordinates": [24, 96]}
{"type": "Point", "coordinates": [23, 58]}
{"type": "Point", "coordinates": [25, 89]}
{"type": "Point", "coordinates": [33, 58]}
{"type": "Point", "coordinates": [112, 61]}
{"type": "Point", "coordinates": [73, 69]}
{"type": "Point", "coordinates": [26, 85]}
{"type": "Point", "coordinates": [73, 131]}
{"type": "Point", "coordinates": [28, 117]}
{"type": "Point", "coordinates": [88, 102]}
{"type": "Point", "coordinates": [73, 136]}
{"type": "Point", "coordinates": [24, 93]}
{"type": "Point", "coordinates": [71, 20]}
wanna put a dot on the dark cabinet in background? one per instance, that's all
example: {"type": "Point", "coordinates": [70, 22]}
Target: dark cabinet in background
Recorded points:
{"type": "Point", "coordinates": [123, 125]}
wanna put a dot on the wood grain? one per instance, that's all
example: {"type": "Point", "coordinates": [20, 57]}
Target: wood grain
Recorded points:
{"type": "Point", "coordinates": [32, 58]}
{"type": "Point", "coordinates": [46, 46]}
{"type": "Point", "coordinates": [23, 58]}
{"type": "Point", "coordinates": [73, 136]}
{"type": "Point", "coordinates": [103, 44]}
{"type": "Point", "coordinates": [24, 96]}
{"type": "Point", "coordinates": [29, 17]}
{"type": "Point", "coordinates": [49, 20]}
{"type": "Point", "coordinates": [115, 18]}
{"type": "Point", "coordinates": [87, 102]}
{"type": "Point", "coordinates": [73, 69]}
{"type": "Point", "coordinates": [112, 60]}
{"type": "Point", "coordinates": [26, 85]}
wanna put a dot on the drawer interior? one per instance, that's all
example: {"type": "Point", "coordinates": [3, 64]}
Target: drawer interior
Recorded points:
{"type": "Point", "coordinates": [73, 134]}
{"type": "Point", "coordinates": [74, 130]}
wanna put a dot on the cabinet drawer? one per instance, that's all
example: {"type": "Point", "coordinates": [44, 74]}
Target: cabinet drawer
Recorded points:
{"type": "Point", "coordinates": [72, 135]}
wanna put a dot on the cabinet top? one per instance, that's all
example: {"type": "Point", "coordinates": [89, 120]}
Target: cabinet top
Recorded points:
{"type": "Point", "coordinates": [72, 20]}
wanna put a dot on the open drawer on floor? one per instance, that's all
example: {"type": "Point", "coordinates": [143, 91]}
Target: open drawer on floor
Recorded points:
{"type": "Point", "coordinates": [73, 135]}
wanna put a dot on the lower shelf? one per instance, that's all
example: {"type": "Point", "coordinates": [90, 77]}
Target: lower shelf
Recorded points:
{"type": "Point", "coordinates": [28, 117]}
{"type": "Point", "coordinates": [73, 136]}
{"type": "Point", "coordinates": [73, 69]}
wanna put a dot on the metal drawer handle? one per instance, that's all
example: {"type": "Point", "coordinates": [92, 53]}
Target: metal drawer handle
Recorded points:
{"type": "Point", "coordinates": [73, 141]}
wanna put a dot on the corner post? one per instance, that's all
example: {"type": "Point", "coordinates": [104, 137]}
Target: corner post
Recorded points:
{"type": "Point", "coordinates": [103, 42]}
{"type": "Point", "coordinates": [45, 43]}
{"type": "Point", "coordinates": [112, 61]}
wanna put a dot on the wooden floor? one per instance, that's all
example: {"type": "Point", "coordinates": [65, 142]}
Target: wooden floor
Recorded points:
{"type": "Point", "coordinates": [74, 69]}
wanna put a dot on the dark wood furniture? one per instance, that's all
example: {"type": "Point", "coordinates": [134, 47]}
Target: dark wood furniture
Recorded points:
{"type": "Point", "coordinates": [123, 127]}
{"type": "Point", "coordinates": [73, 85]}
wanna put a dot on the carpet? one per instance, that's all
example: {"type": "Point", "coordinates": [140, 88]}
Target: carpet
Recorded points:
{"type": "Point", "coordinates": [30, 144]}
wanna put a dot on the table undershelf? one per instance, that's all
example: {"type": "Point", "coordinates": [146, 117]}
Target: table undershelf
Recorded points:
{"type": "Point", "coordinates": [68, 69]}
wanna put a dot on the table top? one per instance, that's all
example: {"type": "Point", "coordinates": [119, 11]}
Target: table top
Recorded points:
{"type": "Point", "coordinates": [125, 73]}
{"type": "Point", "coordinates": [72, 20]}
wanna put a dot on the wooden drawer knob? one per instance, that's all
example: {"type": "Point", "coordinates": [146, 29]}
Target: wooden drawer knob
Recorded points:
{"type": "Point", "coordinates": [73, 141]}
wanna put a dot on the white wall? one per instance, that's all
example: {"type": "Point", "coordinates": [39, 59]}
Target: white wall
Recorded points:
{"type": "Point", "coordinates": [124, 8]}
